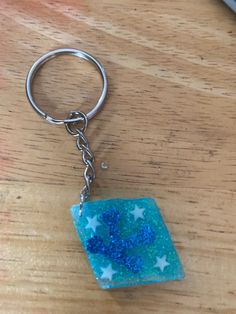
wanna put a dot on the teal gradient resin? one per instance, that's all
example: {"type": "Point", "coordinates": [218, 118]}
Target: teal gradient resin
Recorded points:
{"type": "Point", "coordinates": [162, 247]}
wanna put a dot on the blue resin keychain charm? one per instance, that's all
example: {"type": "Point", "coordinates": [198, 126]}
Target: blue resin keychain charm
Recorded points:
{"type": "Point", "coordinates": [126, 240]}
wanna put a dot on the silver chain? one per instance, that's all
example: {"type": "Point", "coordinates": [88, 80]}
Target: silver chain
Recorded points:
{"type": "Point", "coordinates": [77, 129]}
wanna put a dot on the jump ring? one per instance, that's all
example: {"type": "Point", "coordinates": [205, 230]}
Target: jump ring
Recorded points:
{"type": "Point", "coordinates": [71, 127]}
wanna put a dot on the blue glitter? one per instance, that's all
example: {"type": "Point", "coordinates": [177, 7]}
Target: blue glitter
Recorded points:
{"type": "Point", "coordinates": [143, 250]}
{"type": "Point", "coordinates": [116, 249]}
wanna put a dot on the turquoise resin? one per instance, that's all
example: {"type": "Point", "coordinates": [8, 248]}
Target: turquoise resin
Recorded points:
{"type": "Point", "coordinates": [151, 248]}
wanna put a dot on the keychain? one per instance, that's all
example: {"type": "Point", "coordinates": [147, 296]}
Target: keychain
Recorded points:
{"type": "Point", "coordinates": [126, 240]}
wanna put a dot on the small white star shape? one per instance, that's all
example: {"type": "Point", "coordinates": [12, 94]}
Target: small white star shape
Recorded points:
{"type": "Point", "coordinates": [93, 223]}
{"type": "Point", "coordinates": [161, 262]}
{"type": "Point", "coordinates": [108, 272]}
{"type": "Point", "coordinates": [137, 212]}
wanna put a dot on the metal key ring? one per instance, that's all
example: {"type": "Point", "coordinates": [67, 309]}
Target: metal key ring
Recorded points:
{"type": "Point", "coordinates": [53, 54]}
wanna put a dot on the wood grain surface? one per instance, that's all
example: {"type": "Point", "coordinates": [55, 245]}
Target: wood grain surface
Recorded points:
{"type": "Point", "coordinates": [167, 130]}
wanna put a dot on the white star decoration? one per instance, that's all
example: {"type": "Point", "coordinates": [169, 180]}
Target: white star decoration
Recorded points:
{"type": "Point", "coordinates": [107, 272]}
{"type": "Point", "coordinates": [93, 223]}
{"type": "Point", "coordinates": [161, 262]}
{"type": "Point", "coordinates": [137, 212]}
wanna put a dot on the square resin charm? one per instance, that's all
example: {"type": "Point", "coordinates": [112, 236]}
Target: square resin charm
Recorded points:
{"type": "Point", "coordinates": [127, 242]}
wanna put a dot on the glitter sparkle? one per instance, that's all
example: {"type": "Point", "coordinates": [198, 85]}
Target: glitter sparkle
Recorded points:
{"type": "Point", "coordinates": [117, 249]}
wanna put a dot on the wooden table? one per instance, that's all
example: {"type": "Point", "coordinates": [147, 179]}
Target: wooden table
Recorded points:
{"type": "Point", "coordinates": [167, 131]}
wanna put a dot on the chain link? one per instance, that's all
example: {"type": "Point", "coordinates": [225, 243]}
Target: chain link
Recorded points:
{"type": "Point", "coordinates": [77, 129]}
